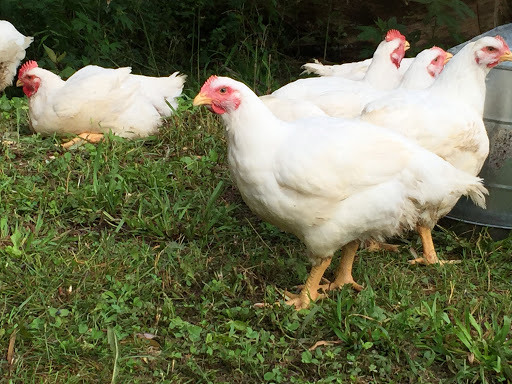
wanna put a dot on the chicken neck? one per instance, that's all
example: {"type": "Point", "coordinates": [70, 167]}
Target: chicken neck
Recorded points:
{"type": "Point", "coordinates": [463, 79]}
{"type": "Point", "coordinates": [382, 73]}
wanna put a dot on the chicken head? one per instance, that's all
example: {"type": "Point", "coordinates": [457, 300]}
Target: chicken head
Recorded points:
{"type": "Point", "coordinates": [441, 57]}
{"type": "Point", "coordinates": [490, 51]}
{"type": "Point", "coordinates": [219, 99]}
{"type": "Point", "coordinates": [26, 79]}
{"type": "Point", "coordinates": [398, 46]}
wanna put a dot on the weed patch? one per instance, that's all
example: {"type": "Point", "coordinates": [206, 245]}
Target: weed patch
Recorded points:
{"type": "Point", "coordinates": [137, 261]}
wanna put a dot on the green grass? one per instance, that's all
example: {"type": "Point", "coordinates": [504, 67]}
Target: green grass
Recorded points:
{"type": "Point", "coordinates": [138, 262]}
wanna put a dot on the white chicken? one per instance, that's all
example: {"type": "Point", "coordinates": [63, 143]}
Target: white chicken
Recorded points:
{"type": "Point", "coordinates": [331, 182]}
{"type": "Point", "coordinates": [382, 73]}
{"type": "Point", "coordinates": [12, 50]}
{"type": "Point", "coordinates": [446, 118]}
{"type": "Point", "coordinates": [350, 100]}
{"type": "Point", "coordinates": [97, 100]}
{"type": "Point", "coordinates": [352, 71]}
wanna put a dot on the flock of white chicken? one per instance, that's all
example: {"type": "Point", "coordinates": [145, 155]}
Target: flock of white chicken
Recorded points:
{"type": "Point", "coordinates": [366, 151]}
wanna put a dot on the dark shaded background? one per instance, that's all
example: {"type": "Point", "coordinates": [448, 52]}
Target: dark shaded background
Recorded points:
{"type": "Point", "coordinates": [262, 42]}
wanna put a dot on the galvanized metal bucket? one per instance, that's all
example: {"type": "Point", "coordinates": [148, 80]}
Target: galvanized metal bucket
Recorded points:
{"type": "Point", "coordinates": [497, 170]}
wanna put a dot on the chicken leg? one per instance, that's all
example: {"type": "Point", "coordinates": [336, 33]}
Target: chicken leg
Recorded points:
{"type": "Point", "coordinates": [86, 136]}
{"type": "Point", "coordinates": [310, 290]}
{"type": "Point", "coordinates": [344, 272]}
{"type": "Point", "coordinates": [429, 252]}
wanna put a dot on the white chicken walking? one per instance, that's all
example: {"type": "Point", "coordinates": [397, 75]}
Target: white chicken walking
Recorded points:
{"type": "Point", "coordinates": [97, 100]}
{"type": "Point", "coordinates": [446, 118]}
{"type": "Point", "coordinates": [12, 50]}
{"type": "Point", "coordinates": [331, 182]}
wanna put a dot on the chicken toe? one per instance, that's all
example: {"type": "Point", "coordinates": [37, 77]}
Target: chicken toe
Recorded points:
{"type": "Point", "coordinates": [339, 284]}
{"type": "Point", "coordinates": [429, 252]}
{"type": "Point", "coordinates": [310, 291]}
{"type": "Point", "coordinates": [427, 261]}
{"type": "Point", "coordinates": [86, 136]}
{"type": "Point", "coordinates": [344, 272]}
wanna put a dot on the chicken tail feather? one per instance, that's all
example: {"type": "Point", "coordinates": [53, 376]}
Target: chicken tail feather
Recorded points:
{"type": "Point", "coordinates": [477, 192]}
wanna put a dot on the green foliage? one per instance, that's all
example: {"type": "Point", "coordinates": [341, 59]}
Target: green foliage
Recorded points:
{"type": "Point", "coordinates": [137, 261]}
{"type": "Point", "coordinates": [442, 13]}
{"type": "Point", "coordinates": [235, 37]}
{"type": "Point", "coordinates": [13, 113]}
{"type": "Point", "coordinates": [375, 33]}
{"type": "Point", "coordinates": [262, 42]}
{"type": "Point", "coordinates": [438, 15]}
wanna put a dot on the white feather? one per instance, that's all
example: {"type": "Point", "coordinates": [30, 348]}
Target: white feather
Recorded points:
{"type": "Point", "coordinates": [12, 50]}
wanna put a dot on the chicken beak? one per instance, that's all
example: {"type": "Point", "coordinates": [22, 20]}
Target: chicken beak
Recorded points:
{"type": "Point", "coordinates": [202, 99]}
{"type": "Point", "coordinates": [407, 45]}
{"type": "Point", "coordinates": [448, 57]}
{"type": "Point", "coordinates": [507, 56]}
{"type": "Point", "coordinates": [19, 83]}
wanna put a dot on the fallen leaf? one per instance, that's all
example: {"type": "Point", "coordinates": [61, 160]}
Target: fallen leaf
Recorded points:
{"type": "Point", "coordinates": [10, 350]}
{"type": "Point", "coordinates": [324, 342]}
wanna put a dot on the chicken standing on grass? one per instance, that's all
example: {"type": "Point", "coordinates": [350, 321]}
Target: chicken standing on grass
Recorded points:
{"type": "Point", "coordinates": [97, 100]}
{"type": "Point", "coordinates": [12, 51]}
{"type": "Point", "coordinates": [446, 118]}
{"type": "Point", "coordinates": [331, 182]}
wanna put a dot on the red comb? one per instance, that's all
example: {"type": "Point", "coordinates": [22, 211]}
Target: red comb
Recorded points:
{"type": "Point", "coordinates": [208, 82]}
{"type": "Point", "coordinates": [27, 66]}
{"type": "Point", "coordinates": [503, 41]}
{"type": "Point", "coordinates": [394, 34]}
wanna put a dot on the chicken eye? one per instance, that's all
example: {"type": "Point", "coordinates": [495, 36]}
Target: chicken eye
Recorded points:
{"type": "Point", "coordinates": [436, 59]}
{"type": "Point", "coordinates": [223, 90]}
{"type": "Point", "coordinates": [490, 49]}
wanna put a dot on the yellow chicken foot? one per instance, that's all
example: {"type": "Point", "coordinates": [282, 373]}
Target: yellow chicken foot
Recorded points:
{"type": "Point", "coordinates": [344, 272]}
{"type": "Point", "coordinates": [429, 252]}
{"type": "Point", "coordinates": [86, 136]}
{"type": "Point", "coordinates": [374, 246]}
{"type": "Point", "coordinates": [310, 290]}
